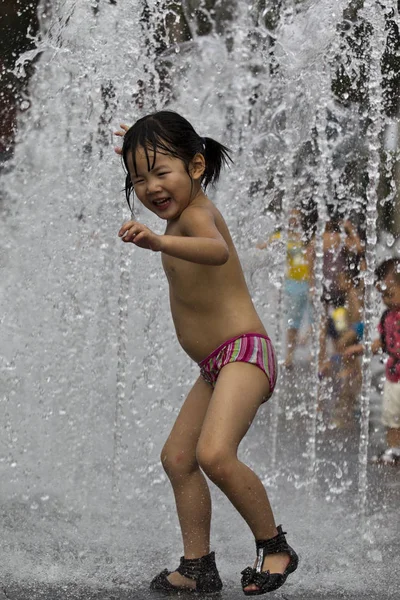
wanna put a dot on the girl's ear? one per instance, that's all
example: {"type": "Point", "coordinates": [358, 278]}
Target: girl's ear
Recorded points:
{"type": "Point", "coordinates": [197, 166]}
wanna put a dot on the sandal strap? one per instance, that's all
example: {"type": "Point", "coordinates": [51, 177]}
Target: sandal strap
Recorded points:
{"type": "Point", "coordinates": [265, 580]}
{"type": "Point", "coordinates": [274, 545]}
{"type": "Point", "coordinates": [161, 583]}
{"type": "Point", "coordinates": [193, 568]}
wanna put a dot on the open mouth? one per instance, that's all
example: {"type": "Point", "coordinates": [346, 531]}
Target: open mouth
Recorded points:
{"type": "Point", "coordinates": [162, 203]}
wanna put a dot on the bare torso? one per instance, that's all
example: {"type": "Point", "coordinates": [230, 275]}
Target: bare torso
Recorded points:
{"type": "Point", "coordinates": [209, 304]}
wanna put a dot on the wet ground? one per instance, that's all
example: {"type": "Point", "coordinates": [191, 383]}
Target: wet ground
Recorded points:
{"type": "Point", "coordinates": [80, 593]}
{"type": "Point", "coordinates": [348, 542]}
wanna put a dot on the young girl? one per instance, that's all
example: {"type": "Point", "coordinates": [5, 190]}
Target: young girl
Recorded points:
{"type": "Point", "coordinates": [168, 168]}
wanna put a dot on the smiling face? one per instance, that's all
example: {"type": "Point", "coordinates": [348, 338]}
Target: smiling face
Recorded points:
{"type": "Point", "coordinates": [162, 183]}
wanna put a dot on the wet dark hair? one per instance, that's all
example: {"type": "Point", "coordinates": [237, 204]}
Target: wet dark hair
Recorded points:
{"type": "Point", "coordinates": [333, 225]}
{"type": "Point", "coordinates": [392, 265]}
{"type": "Point", "coordinates": [166, 131]}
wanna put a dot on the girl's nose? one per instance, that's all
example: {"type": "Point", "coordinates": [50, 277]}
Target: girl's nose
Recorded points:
{"type": "Point", "coordinates": [153, 186]}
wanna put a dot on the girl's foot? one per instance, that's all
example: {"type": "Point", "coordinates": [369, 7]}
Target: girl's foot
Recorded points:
{"type": "Point", "coordinates": [196, 574]}
{"type": "Point", "coordinates": [179, 581]}
{"type": "Point", "coordinates": [275, 561]}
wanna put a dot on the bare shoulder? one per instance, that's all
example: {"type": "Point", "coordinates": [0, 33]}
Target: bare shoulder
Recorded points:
{"type": "Point", "coordinates": [199, 215]}
{"type": "Point", "coordinates": [205, 210]}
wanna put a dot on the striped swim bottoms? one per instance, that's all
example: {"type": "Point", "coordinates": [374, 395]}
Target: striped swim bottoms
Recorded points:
{"type": "Point", "coordinates": [253, 348]}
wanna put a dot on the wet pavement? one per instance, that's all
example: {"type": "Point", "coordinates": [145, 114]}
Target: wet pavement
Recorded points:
{"type": "Point", "coordinates": [80, 593]}
{"type": "Point", "coordinates": [348, 543]}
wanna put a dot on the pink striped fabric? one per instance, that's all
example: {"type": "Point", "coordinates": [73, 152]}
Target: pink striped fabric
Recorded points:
{"type": "Point", "coordinates": [252, 348]}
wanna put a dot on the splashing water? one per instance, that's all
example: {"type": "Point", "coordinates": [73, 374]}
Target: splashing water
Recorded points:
{"type": "Point", "coordinates": [92, 376]}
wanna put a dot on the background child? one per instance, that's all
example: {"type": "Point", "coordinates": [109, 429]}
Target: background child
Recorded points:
{"type": "Point", "coordinates": [388, 283]}
{"type": "Point", "coordinates": [342, 301]}
{"type": "Point", "coordinates": [169, 166]}
{"type": "Point", "coordinates": [297, 281]}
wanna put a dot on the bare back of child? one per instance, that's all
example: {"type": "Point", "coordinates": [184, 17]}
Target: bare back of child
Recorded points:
{"type": "Point", "coordinates": [168, 167]}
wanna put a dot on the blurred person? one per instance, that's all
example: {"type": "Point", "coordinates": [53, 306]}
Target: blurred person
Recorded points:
{"type": "Point", "coordinates": [297, 281]}
{"type": "Point", "coordinates": [342, 299]}
{"type": "Point", "coordinates": [388, 284]}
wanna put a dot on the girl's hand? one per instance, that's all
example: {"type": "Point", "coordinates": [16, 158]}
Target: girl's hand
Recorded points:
{"type": "Point", "coordinates": [376, 346]}
{"type": "Point", "coordinates": [120, 133]}
{"type": "Point", "coordinates": [140, 235]}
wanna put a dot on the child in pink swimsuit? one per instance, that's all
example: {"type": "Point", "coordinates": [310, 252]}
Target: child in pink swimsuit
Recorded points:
{"type": "Point", "coordinates": [388, 284]}
{"type": "Point", "coordinates": [168, 169]}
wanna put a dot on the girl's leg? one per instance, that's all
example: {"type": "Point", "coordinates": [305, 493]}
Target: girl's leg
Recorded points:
{"type": "Point", "coordinates": [349, 381]}
{"type": "Point", "coordinates": [393, 437]}
{"type": "Point", "coordinates": [190, 488]}
{"type": "Point", "coordinates": [291, 344]}
{"type": "Point", "coordinates": [296, 307]}
{"type": "Point", "coordinates": [238, 394]}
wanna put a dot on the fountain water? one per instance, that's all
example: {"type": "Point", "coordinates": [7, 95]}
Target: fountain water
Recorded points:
{"type": "Point", "coordinates": [92, 376]}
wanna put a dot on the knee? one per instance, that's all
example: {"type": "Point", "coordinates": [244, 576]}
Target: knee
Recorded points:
{"type": "Point", "coordinates": [177, 462]}
{"type": "Point", "coordinates": [216, 463]}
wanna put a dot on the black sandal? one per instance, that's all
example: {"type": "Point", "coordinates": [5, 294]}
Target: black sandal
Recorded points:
{"type": "Point", "coordinates": [202, 570]}
{"type": "Point", "coordinates": [264, 580]}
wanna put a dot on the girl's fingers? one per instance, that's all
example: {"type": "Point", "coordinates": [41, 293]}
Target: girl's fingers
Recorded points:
{"type": "Point", "coordinates": [120, 133]}
{"type": "Point", "coordinates": [123, 132]}
{"type": "Point", "coordinates": [125, 228]}
{"type": "Point", "coordinates": [130, 236]}
{"type": "Point", "coordinates": [138, 236]}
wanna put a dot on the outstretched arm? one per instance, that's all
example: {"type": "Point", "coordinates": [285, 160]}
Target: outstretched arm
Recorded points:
{"type": "Point", "coordinates": [200, 242]}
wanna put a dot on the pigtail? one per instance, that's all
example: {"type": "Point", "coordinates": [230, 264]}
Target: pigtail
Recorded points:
{"type": "Point", "coordinates": [216, 156]}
